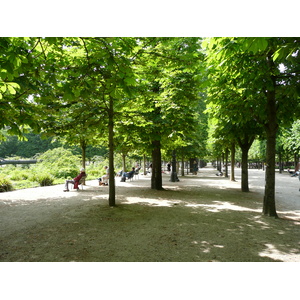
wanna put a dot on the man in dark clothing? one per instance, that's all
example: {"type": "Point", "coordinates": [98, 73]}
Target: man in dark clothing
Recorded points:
{"type": "Point", "coordinates": [128, 175]}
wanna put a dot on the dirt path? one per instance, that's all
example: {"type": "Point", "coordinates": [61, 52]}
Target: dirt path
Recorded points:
{"type": "Point", "coordinates": [200, 218]}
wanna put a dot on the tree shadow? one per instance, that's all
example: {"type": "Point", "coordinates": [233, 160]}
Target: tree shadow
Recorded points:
{"type": "Point", "coordinates": [183, 223]}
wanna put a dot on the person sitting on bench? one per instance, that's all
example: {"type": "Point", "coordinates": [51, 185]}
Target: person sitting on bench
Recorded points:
{"type": "Point", "coordinates": [75, 180]}
{"type": "Point", "coordinates": [128, 175]}
{"type": "Point", "coordinates": [104, 179]}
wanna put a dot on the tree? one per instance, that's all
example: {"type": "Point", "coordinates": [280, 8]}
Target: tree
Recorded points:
{"type": "Point", "coordinates": [226, 105]}
{"type": "Point", "coordinates": [22, 73]}
{"type": "Point", "coordinates": [253, 68]}
{"type": "Point", "coordinates": [291, 140]}
{"type": "Point", "coordinates": [92, 75]}
{"type": "Point", "coordinates": [167, 74]}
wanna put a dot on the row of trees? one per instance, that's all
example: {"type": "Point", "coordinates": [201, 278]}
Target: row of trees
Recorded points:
{"type": "Point", "coordinates": [253, 92]}
{"type": "Point", "coordinates": [31, 145]}
{"type": "Point", "coordinates": [151, 93]}
{"type": "Point", "coordinates": [127, 92]}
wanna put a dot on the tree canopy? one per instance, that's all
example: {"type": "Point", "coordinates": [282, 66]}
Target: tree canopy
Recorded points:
{"type": "Point", "coordinates": [257, 77]}
{"type": "Point", "coordinates": [150, 94]}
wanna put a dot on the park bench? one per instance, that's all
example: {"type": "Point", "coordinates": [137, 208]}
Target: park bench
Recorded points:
{"type": "Point", "coordinates": [130, 178]}
{"type": "Point", "coordinates": [136, 173]}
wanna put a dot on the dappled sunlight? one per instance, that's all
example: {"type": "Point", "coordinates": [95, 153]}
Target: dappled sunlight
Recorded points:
{"type": "Point", "coordinates": [173, 187]}
{"type": "Point", "coordinates": [221, 206]}
{"type": "Point", "coordinates": [205, 246]}
{"type": "Point", "coordinates": [102, 196]}
{"type": "Point", "coordinates": [273, 253]}
{"type": "Point", "coordinates": [142, 182]}
{"type": "Point", "coordinates": [150, 202]}
{"type": "Point", "coordinates": [264, 225]}
{"type": "Point", "coordinates": [222, 185]}
{"type": "Point", "coordinates": [289, 214]}
{"type": "Point", "coordinates": [195, 219]}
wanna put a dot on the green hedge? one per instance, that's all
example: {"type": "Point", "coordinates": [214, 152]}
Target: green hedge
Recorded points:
{"type": "Point", "coordinates": [5, 184]}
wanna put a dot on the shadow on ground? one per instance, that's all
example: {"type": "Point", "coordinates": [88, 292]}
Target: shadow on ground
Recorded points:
{"type": "Point", "coordinates": [195, 222]}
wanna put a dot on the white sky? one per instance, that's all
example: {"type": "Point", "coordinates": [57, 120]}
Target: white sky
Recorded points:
{"type": "Point", "coordinates": [149, 18]}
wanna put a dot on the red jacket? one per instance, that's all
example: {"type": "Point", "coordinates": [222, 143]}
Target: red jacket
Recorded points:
{"type": "Point", "coordinates": [77, 178]}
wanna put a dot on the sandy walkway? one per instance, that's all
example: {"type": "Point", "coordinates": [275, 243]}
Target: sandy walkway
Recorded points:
{"type": "Point", "coordinates": [200, 218]}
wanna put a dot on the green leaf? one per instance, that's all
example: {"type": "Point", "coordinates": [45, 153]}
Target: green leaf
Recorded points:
{"type": "Point", "coordinates": [11, 90]}
{"type": "Point", "coordinates": [3, 88]}
{"type": "Point", "coordinates": [3, 73]}
{"type": "Point", "coordinates": [130, 81]}
{"type": "Point", "coordinates": [262, 43]}
{"type": "Point", "coordinates": [14, 85]}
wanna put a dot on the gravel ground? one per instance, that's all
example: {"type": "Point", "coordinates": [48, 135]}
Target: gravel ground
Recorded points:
{"type": "Point", "coordinates": [201, 218]}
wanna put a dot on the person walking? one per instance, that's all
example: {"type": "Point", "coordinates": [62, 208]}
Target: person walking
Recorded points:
{"type": "Point", "coordinates": [195, 167]}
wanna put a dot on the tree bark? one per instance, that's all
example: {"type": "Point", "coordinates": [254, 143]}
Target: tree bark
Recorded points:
{"type": "Point", "coordinates": [124, 162]}
{"type": "Point", "coordinates": [182, 165]}
{"type": "Point", "coordinates": [156, 178]}
{"type": "Point", "coordinates": [226, 162]}
{"type": "Point", "coordinates": [269, 207]}
{"type": "Point", "coordinates": [280, 162]}
{"type": "Point", "coordinates": [174, 177]}
{"type": "Point", "coordinates": [232, 164]}
{"type": "Point", "coordinates": [144, 164]}
{"type": "Point", "coordinates": [83, 153]}
{"type": "Point", "coordinates": [112, 190]}
{"type": "Point", "coordinates": [245, 178]}
{"type": "Point", "coordinates": [245, 145]}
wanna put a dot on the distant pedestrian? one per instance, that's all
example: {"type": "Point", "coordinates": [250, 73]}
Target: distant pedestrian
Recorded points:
{"type": "Point", "coordinates": [195, 167]}
{"type": "Point", "coordinates": [169, 167]}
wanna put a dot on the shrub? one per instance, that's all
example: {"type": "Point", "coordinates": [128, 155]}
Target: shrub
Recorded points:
{"type": "Point", "coordinates": [19, 174]}
{"type": "Point", "coordinates": [96, 169]}
{"type": "Point", "coordinates": [67, 173]}
{"type": "Point", "coordinates": [59, 162]}
{"type": "Point", "coordinates": [44, 179]}
{"type": "Point", "coordinates": [5, 184]}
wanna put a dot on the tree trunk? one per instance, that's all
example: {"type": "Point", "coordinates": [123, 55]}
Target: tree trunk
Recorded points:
{"type": "Point", "coordinates": [245, 146]}
{"type": "Point", "coordinates": [124, 162]}
{"type": "Point", "coordinates": [232, 164]}
{"type": "Point", "coordinates": [112, 190]}
{"type": "Point", "coordinates": [226, 162]}
{"type": "Point", "coordinates": [271, 130]}
{"type": "Point", "coordinates": [174, 177]}
{"type": "Point", "coordinates": [156, 178]}
{"type": "Point", "coordinates": [245, 179]}
{"type": "Point", "coordinates": [182, 165]}
{"type": "Point", "coordinates": [280, 162]}
{"type": "Point", "coordinates": [83, 153]}
{"type": "Point", "coordinates": [295, 161]}
{"type": "Point", "coordinates": [144, 164]}
{"type": "Point", "coordinates": [219, 164]}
